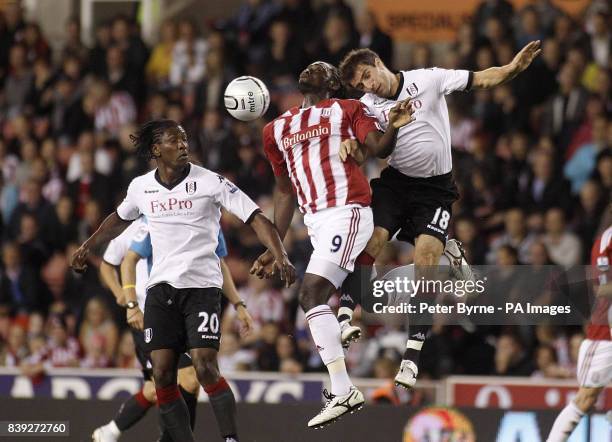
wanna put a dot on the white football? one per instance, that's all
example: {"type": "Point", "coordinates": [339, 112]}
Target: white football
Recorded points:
{"type": "Point", "coordinates": [247, 98]}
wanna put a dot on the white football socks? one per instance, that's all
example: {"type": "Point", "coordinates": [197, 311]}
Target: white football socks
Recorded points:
{"type": "Point", "coordinates": [325, 331]}
{"type": "Point", "coordinates": [565, 423]}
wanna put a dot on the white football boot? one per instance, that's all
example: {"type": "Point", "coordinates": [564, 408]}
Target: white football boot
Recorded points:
{"type": "Point", "coordinates": [336, 407]}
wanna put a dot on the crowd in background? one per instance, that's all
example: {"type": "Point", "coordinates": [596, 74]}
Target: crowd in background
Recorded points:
{"type": "Point", "coordinates": [532, 160]}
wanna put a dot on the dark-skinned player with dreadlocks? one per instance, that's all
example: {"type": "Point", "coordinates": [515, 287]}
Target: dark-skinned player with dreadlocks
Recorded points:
{"type": "Point", "coordinates": [182, 203]}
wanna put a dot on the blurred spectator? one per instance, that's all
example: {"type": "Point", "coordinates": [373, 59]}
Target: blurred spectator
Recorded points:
{"type": "Point", "coordinates": [284, 58]}
{"type": "Point", "coordinates": [97, 54]}
{"type": "Point", "coordinates": [90, 185]}
{"type": "Point", "coordinates": [500, 9]}
{"type": "Point", "coordinates": [267, 359]}
{"type": "Point", "coordinates": [251, 25]}
{"type": "Point", "coordinates": [118, 74]}
{"type": "Point", "coordinates": [231, 357]}
{"type": "Point", "coordinates": [16, 346]}
{"type": "Point", "coordinates": [98, 334]}
{"type": "Point", "coordinates": [563, 246]}
{"type": "Point", "coordinates": [158, 66]}
{"type": "Point", "coordinates": [337, 39]}
{"type": "Point", "coordinates": [467, 233]}
{"type": "Point", "coordinates": [216, 145]}
{"type": "Point", "coordinates": [36, 45]}
{"type": "Point", "coordinates": [73, 46]}
{"type": "Point", "coordinates": [604, 170]}
{"type": "Point", "coordinates": [545, 188]}
{"type": "Point", "coordinates": [18, 82]}
{"type": "Point", "coordinates": [588, 215]}
{"type": "Point", "coordinates": [188, 57]}
{"type": "Point", "coordinates": [135, 51]}
{"type": "Point", "coordinates": [515, 235]}
{"type": "Point", "coordinates": [209, 92]}
{"type": "Point", "coordinates": [581, 165]}
{"type": "Point", "coordinates": [61, 349]}
{"type": "Point", "coordinates": [126, 353]}
{"type": "Point", "coordinates": [601, 38]}
{"type": "Point", "coordinates": [566, 108]}
{"type": "Point", "coordinates": [529, 28]}
{"type": "Point", "coordinates": [371, 36]}
{"type": "Point", "coordinates": [112, 109]}
{"type": "Point", "coordinates": [511, 358]}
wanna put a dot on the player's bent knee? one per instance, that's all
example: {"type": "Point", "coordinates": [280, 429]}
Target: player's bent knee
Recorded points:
{"type": "Point", "coordinates": [163, 377]}
{"type": "Point", "coordinates": [586, 398]}
{"type": "Point", "coordinates": [377, 242]}
{"type": "Point", "coordinates": [188, 379]}
{"type": "Point", "coordinates": [205, 365]}
{"type": "Point", "coordinates": [316, 290]}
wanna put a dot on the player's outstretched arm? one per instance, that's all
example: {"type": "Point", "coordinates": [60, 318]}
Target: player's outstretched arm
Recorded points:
{"type": "Point", "coordinates": [284, 206]}
{"type": "Point", "coordinates": [231, 293]}
{"type": "Point", "coordinates": [110, 277]}
{"type": "Point", "coordinates": [268, 235]}
{"type": "Point", "coordinates": [111, 227]}
{"type": "Point", "coordinates": [501, 74]}
{"type": "Point", "coordinates": [381, 145]}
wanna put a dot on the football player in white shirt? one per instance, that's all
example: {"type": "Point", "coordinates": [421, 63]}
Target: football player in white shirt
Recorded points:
{"type": "Point", "coordinates": [182, 203]}
{"type": "Point", "coordinates": [414, 194]}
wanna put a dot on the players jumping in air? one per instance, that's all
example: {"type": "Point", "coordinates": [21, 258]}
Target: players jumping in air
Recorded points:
{"type": "Point", "coordinates": [414, 194]}
{"type": "Point", "coordinates": [302, 146]}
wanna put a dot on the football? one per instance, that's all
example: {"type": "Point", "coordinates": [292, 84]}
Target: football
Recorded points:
{"type": "Point", "coordinates": [246, 98]}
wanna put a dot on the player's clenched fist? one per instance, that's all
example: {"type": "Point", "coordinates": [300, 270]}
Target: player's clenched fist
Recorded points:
{"type": "Point", "coordinates": [263, 267]}
{"type": "Point", "coordinates": [78, 261]}
{"type": "Point", "coordinates": [401, 114]}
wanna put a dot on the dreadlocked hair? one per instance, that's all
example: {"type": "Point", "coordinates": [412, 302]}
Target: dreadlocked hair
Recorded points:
{"type": "Point", "coordinates": [149, 134]}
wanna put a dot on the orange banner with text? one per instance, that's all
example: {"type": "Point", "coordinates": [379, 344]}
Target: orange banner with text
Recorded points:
{"type": "Point", "coordinates": [439, 20]}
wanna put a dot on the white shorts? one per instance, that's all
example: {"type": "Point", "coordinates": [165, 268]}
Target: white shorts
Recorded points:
{"type": "Point", "coordinates": [338, 235]}
{"type": "Point", "coordinates": [595, 363]}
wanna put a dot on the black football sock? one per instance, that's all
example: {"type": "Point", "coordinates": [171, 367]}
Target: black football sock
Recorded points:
{"type": "Point", "coordinates": [192, 402]}
{"type": "Point", "coordinates": [131, 411]}
{"type": "Point", "coordinates": [173, 413]}
{"type": "Point", "coordinates": [416, 337]}
{"type": "Point", "coordinates": [224, 406]}
{"type": "Point", "coordinates": [356, 284]}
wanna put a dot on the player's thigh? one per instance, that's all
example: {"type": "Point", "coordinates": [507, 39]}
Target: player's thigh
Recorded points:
{"type": "Point", "coordinates": [388, 202]}
{"type": "Point", "coordinates": [595, 363]}
{"type": "Point", "coordinates": [163, 323]}
{"type": "Point", "coordinates": [201, 309]}
{"type": "Point", "coordinates": [340, 234]}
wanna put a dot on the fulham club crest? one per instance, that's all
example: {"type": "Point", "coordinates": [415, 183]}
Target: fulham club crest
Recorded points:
{"type": "Point", "coordinates": [412, 90]}
{"type": "Point", "coordinates": [190, 187]}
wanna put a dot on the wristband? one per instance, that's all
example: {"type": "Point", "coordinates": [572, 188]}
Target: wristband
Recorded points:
{"type": "Point", "coordinates": [129, 286]}
{"type": "Point", "coordinates": [240, 303]}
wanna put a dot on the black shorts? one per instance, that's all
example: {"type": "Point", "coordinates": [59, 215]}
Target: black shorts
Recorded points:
{"type": "Point", "coordinates": [144, 356]}
{"type": "Point", "coordinates": [413, 206]}
{"type": "Point", "coordinates": [182, 319]}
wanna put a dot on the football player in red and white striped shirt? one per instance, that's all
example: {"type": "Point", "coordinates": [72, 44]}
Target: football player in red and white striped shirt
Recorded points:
{"type": "Point", "coordinates": [334, 196]}
{"type": "Point", "coordinates": [595, 356]}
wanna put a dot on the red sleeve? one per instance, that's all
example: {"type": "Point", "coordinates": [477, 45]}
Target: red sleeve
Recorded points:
{"type": "Point", "coordinates": [272, 151]}
{"type": "Point", "coordinates": [362, 120]}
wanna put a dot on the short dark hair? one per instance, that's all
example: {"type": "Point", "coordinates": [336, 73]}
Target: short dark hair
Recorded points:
{"type": "Point", "coordinates": [356, 57]}
{"type": "Point", "coordinates": [149, 134]}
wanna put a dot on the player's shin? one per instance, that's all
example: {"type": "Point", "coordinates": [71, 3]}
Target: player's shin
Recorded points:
{"type": "Point", "coordinates": [223, 404]}
{"type": "Point", "coordinates": [131, 411]}
{"type": "Point", "coordinates": [325, 331]}
{"type": "Point", "coordinates": [565, 423]}
{"type": "Point", "coordinates": [173, 413]}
